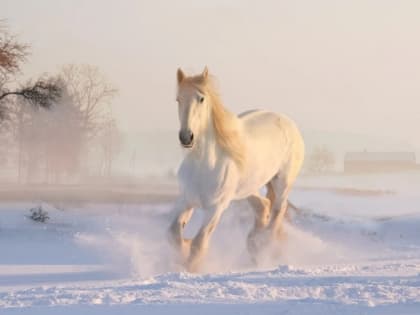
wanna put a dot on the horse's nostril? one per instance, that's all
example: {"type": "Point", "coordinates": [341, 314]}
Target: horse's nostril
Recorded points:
{"type": "Point", "coordinates": [186, 137]}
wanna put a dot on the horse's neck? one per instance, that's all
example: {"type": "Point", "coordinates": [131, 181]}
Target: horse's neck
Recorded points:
{"type": "Point", "coordinates": [208, 150]}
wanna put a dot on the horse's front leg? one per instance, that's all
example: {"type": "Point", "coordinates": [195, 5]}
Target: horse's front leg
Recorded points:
{"type": "Point", "coordinates": [176, 229]}
{"type": "Point", "coordinates": [200, 242]}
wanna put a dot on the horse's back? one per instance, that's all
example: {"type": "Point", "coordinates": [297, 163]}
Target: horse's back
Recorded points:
{"type": "Point", "coordinates": [260, 121]}
{"type": "Point", "coordinates": [273, 141]}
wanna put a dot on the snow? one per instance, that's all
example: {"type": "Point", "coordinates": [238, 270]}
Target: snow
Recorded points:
{"type": "Point", "coordinates": [345, 253]}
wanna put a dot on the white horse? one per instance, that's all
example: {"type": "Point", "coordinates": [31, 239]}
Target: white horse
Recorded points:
{"type": "Point", "coordinates": [228, 158]}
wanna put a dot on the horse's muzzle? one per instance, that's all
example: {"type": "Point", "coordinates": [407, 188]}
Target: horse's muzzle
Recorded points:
{"type": "Point", "coordinates": [186, 137]}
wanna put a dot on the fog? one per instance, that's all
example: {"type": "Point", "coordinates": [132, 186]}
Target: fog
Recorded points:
{"type": "Point", "coordinates": [347, 72]}
{"type": "Point", "coordinates": [89, 152]}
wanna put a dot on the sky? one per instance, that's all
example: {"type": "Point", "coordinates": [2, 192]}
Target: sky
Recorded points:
{"type": "Point", "coordinates": [334, 66]}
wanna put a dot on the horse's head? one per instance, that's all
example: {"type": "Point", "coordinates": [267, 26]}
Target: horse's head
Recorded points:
{"type": "Point", "coordinates": [193, 106]}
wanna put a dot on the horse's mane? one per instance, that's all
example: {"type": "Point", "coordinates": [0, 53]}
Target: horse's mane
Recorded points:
{"type": "Point", "coordinates": [224, 122]}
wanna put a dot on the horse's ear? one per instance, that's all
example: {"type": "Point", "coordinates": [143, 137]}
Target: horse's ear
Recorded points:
{"type": "Point", "coordinates": [180, 75]}
{"type": "Point", "coordinates": [205, 73]}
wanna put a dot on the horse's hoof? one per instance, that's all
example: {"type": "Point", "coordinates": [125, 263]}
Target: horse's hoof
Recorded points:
{"type": "Point", "coordinates": [192, 267]}
{"type": "Point", "coordinates": [256, 243]}
{"type": "Point", "coordinates": [278, 235]}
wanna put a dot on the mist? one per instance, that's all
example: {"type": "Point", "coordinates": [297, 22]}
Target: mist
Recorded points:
{"type": "Point", "coordinates": [345, 70]}
{"type": "Point", "coordinates": [90, 149]}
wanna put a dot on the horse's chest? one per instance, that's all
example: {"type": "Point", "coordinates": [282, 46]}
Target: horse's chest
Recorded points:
{"type": "Point", "coordinates": [205, 186]}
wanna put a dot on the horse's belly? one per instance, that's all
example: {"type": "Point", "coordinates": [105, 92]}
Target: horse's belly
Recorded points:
{"type": "Point", "coordinates": [255, 178]}
{"type": "Point", "coordinates": [268, 153]}
{"type": "Point", "coordinates": [271, 142]}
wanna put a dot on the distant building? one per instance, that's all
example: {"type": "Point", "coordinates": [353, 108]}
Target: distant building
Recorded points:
{"type": "Point", "coordinates": [371, 162]}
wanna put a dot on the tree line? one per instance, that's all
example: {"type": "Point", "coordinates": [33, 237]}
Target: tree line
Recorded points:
{"type": "Point", "coordinates": [51, 127]}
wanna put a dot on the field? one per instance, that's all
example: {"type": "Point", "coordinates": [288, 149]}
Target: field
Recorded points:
{"type": "Point", "coordinates": [352, 248]}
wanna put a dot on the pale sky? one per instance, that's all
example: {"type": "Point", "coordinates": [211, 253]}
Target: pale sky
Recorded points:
{"type": "Point", "coordinates": [347, 66]}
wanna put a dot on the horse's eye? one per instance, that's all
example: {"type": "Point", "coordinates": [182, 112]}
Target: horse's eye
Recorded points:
{"type": "Point", "coordinates": [201, 100]}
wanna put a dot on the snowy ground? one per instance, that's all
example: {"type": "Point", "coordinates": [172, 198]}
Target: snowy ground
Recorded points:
{"type": "Point", "coordinates": [347, 252]}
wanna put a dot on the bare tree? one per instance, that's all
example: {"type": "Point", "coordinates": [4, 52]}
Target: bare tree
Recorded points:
{"type": "Point", "coordinates": [12, 55]}
{"type": "Point", "coordinates": [41, 92]}
{"type": "Point", "coordinates": [110, 142]}
{"type": "Point", "coordinates": [48, 142]}
{"type": "Point", "coordinates": [91, 93]}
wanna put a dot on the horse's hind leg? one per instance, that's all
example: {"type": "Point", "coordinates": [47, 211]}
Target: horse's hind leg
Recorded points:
{"type": "Point", "coordinates": [279, 206]}
{"type": "Point", "coordinates": [261, 206]}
